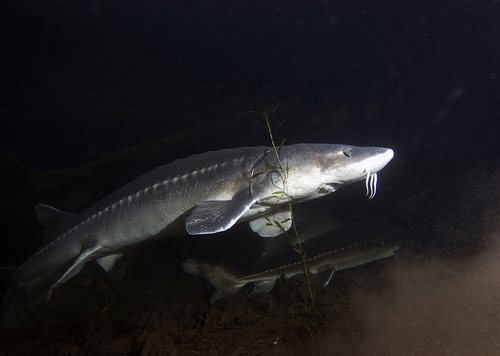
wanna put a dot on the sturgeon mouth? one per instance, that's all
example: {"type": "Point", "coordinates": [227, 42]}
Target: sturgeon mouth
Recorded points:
{"type": "Point", "coordinates": [371, 185]}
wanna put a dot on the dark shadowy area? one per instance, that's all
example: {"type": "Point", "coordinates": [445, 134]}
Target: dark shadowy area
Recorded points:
{"type": "Point", "coordinates": [96, 93]}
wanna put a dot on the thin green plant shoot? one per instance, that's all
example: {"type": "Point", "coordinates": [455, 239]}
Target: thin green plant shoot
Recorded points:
{"type": "Point", "coordinates": [283, 171]}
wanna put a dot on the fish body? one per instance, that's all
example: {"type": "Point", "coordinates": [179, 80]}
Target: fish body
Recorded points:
{"type": "Point", "coordinates": [340, 248]}
{"type": "Point", "coordinates": [202, 194]}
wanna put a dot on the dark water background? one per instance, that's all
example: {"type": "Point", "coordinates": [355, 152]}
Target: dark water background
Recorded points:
{"type": "Point", "coordinates": [84, 78]}
{"type": "Point", "coordinates": [95, 93]}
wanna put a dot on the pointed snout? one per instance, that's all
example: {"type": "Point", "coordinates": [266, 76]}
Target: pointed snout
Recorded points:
{"type": "Point", "coordinates": [385, 154]}
{"type": "Point", "coordinates": [379, 157]}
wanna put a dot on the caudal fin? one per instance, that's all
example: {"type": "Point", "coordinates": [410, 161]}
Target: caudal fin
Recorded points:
{"type": "Point", "coordinates": [222, 276]}
{"type": "Point", "coordinates": [14, 312]}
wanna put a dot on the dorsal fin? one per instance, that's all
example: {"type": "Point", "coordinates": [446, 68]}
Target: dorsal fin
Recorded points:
{"type": "Point", "coordinates": [55, 222]}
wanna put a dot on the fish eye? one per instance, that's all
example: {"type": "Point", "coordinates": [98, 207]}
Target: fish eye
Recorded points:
{"type": "Point", "coordinates": [346, 153]}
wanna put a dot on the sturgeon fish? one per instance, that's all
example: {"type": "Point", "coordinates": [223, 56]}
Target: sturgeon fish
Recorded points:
{"type": "Point", "coordinates": [202, 194]}
{"type": "Point", "coordinates": [340, 248]}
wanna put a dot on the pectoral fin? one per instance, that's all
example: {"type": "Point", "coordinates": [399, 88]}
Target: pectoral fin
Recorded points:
{"type": "Point", "coordinates": [210, 217]}
{"type": "Point", "coordinates": [326, 276]}
{"type": "Point", "coordinates": [262, 287]}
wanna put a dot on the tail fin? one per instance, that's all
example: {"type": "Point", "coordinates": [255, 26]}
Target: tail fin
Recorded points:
{"type": "Point", "coordinates": [13, 313]}
{"type": "Point", "coordinates": [222, 276]}
{"type": "Point", "coordinates": [22, 301]}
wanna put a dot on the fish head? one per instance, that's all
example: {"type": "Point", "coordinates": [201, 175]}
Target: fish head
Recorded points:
{"type": "Point", "coordinates": [323, 168]}
{"type": "Point", "coordinates": [344, 164]}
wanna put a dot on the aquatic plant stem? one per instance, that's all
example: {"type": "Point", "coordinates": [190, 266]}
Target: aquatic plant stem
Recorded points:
{"type": "Point", "coordinates": [296, 245]}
